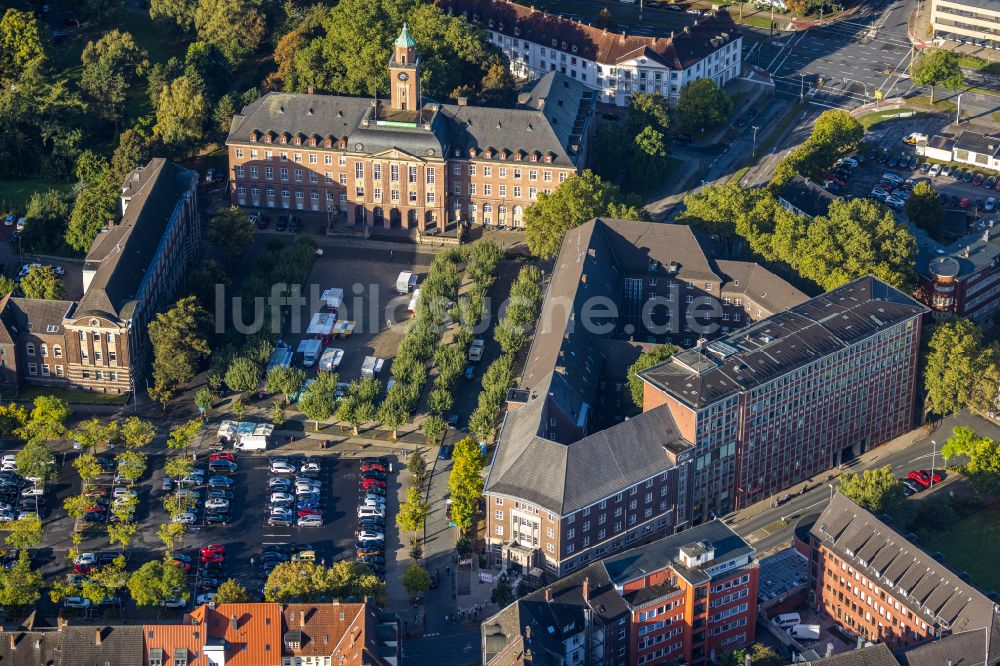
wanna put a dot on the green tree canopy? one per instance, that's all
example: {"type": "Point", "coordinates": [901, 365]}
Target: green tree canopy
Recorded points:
{"type": "Point", "coordinates": [835, 134]}
{"type": "Point", "coordinates": [646, 360]}
{"type": "Point", "coordinates": [154, 582]}
{"type": "Point", "coordinates": [416, 580]}
{"type": "Point", "coordinates": [207, 61]}
{"type": "Point", "coordinates": [181, 113]}
{"type": "Point", "coordinates": [979, 457]}
{"type": "Point", "coordinates": [110, 66]}
{"type": "Point", "coordinates": [877, 490]}
{"type": "Point", "coordinates": [703, 105]}
{"type": "Point", "coordinates": [758, 653]}
{"type": "Point", "coordinates": [231, 592]}
{"type": "Point", "coordinates": [42, 282]}
{"type": "Point", "coordinates": [925, 208]}
{"type": "Point", "coordinates": [179, 343]}
{"type": "Point", "coordinates": [47, 420]}
{"type": "Point", "coordinates": [177, 12]}
{"type": "Point", "coordinates": [465, 482]}
{"type": "Point", "coordinates": [958, 370]}
{"type": "Point", "coordinates": [243, 374]}
{"type": "Point", "coordinates": [20, 586]}
{"type": "Point", "coordinates": [48, 213]}
{"type": "Point", "coordinates": [95, 208]}
{"type": "Point", "coordinates": [237, 27]}
{"type": "Point", "coordinates": [572, 203]}
{"type": "Point", "coordinates": [21, 41]}
{"type": "Point", "coordinates": [936, 67]}
{"type": "Point", "coordinates": [309, 582]}
{"type": "Point", "coordinates": [285, 380]}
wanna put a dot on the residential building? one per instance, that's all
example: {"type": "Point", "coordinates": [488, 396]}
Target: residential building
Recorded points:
{"type": "Point", "coordinates": [877, 585]}
{"type": "Point", "coordinates": [131, 272]}
{"type": "Point", "coordinates": [28, 645]}
{"type": "Point", "coordinates": [563, 491]}
{"type": "Point", "coordinates": [788, 397]}
{"type": "Point", "coordinates": [407, 161]}
{"type": "Point", "coordinates": [614, 65]}
{"type": "Point", "coordinates": [270, 634]}
{"type": "Point", "coordinates": [962, 279]}
{"type": "Point", "coordinates": [975, 22]}
{"type": "Point", "coordinates": [804, 197]}
{"type": "Point", "coordinates": [959, 649]}
{"type": "Point", "coordinates": [687, 598]}
{"type": "Point", "coordinates": [978, 149]}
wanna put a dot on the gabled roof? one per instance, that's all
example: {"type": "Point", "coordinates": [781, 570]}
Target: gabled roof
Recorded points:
{"type": "Point", "coordinates": [122, 255]}
{"type": "Point", "coordinates": [926, 587]}
{"type": "Point", "coordinates": [873, 655]}
{"type": "Point", "coordinates": [37, 315]}
{"type": "Point", "coordinates": [807, 196]}
{"type": "Point", "coordinates": [74, 646]}
{"type": "Point", "coordinates": [978, 142]}
{"type": "Point", "coordinates": [678, 51]}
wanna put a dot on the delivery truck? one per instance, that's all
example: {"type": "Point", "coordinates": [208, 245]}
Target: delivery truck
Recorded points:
{"type": "Point", "coordinates": [406, 282]}
{"type": "Point", "coordinates": [251, 443]}
{"type": "Point", "coordinates": [476, 350]}
{"type": "Point", "coordinates": [333, 299]}
{"type": "Point", "coordinates": [371, 366]}
{"type": "Point", "coordinates": [310, 350]}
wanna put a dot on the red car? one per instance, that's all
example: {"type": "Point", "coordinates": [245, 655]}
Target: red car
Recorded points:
{"type": "Point", "coordinates": [372, 483]}
{"type": "Point", "coordinates": [923, 477]}
{"type": "Point", "coordinates": [310, 512]}
{"type": "Point", "coordinates": [222, 456]}
{"type": "Point", "coordinates": [213, 548]}
{"type": "Point", "coordinates": [82, 568]}
{"type": "Point", "coordinates": [212, 557]}
{"type": "Point", "coordinates": [964, 203]}
{"type": "Point", "coordinates": [97, 508]}
{"type": "Point", "coordinates": [183, 566]}
{"type": "Point", "coordinates": [373, 467]}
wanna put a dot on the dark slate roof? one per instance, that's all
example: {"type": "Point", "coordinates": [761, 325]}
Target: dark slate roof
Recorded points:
{"type": "Point", "coordinates": [641, 561]}
{"type": "Point", "coordinates": [873, 655]}
{"type": "Point", "coordinates": [963, 649]}
{"type": "Point", "coordinates": [963, 258]}
{"type": "Point", "coordinates": [37, 315]}
{"type": "Point", "coordinates": [783, 342]}
{"type": "Point", "coordinates": [74, 646]}
{"type": "Point", "coordinates": [752, 281]}
{"type": "Point", "coordinates": [977, 142]}
{"type": "Point", "coordinates": [122, 255]}
{"type": "Point", "coordinates": [566, 610]}
{"type": "Point", "coordinates": [807, 196]}
{"type": "Point", "coordinates": [547, 126]}
{"type": "Point", "coordinates": [680, 51]}
{"type": "Point", "coordinates": [941, 142]}
{"type": "Point", "coordinates": [928, 589]}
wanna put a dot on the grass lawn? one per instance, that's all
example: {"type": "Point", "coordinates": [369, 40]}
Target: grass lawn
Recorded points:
{"type": "Point", "coordinates": [972, 62]}
{"type": "Point", "coordinates": [944, 105]}
{"type": "Point", "coordinates": [14, 194]}
{"type": "Point", "coordinates": [29, 393]}
{"type": "Point", "coordinates": [996, 116]}
{"type": "Point", "coordinates": [971, 545]}
{"type": "Point", "coordinates": [869, 120]}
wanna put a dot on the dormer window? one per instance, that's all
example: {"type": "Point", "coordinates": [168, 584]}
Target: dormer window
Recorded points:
{"type": "Point", "coordinates": [488, 154]}
{"type": "Point", "coordinates": [267, 139]}
{"type": "Point", "coordinates": [574, 48]}
{"type": "Point", "coordinates": [298, 141]}
{"type": "Point", "coordinates": [533, 158]}
{"type": "Point", "coordinates": [284, 140]}
{"type": "Point", "coordinates": [312, 142]}
{"type": "Point", "coordinates": [253, 138]}
{"type": "Point", "coordinates": [548, 159]}
{"type": "Point", "coordinates": [472, 152]}
{"type": "Point", "coordinates": [555, 42]}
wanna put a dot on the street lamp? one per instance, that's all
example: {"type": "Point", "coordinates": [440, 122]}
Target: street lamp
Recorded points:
{"type": "Point", "coordinates": [802, 86]}
{"type": "Point", "coordinates": [933, 460]}
{"type": "Point", "coordinates": [958, 120]}
{"type": "Point", "coordinates": [754, 154]}
{"type": "Point", "coordinates": [831, 490]}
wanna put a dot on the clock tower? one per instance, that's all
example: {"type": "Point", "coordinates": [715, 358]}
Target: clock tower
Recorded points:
{"type": "Point", "coordinates": [404, 74]}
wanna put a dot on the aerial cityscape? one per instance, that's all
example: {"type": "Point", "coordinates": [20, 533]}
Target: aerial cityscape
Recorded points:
{"type": "Point", "coordinates": [483, 332]}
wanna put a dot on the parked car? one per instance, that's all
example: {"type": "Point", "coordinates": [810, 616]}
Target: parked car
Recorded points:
{"type": "Point", "coordinates": [310, 521]}
{"type": "Point", "coordinates": [964, 202]}
{"type": "Point", "coordinates": [990, 205]}
{"type": "Point", "coordinates": [978, 179]}
{"type": "Point", "coordinates": [923, 477]}
{"type": "Point", "coordinates": [282, 467]}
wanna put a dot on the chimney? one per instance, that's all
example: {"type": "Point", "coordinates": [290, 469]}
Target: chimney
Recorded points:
{"type": "Point", "coordinates": [586, 589]}
{"type": "Point", "coordinates": [527, 633]}
{"type": "Point", "coordinates": [462, 100]}
{"type": "Point", "coordinates": [98, 636]}
{"type": "Point", "coordinates": [233, 624]}
{"type": "Point", "coordinates": [13, 641]}
{"type": "Point", "coordinates": [38, 644]}
{"type": "Point", "coordinates": [310, 90]}
{"type": "Point", "coordinates": [548, 594]}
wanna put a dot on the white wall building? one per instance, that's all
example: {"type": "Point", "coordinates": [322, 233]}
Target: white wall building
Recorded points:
{"type": "Point", "coordinates": [614, 64]}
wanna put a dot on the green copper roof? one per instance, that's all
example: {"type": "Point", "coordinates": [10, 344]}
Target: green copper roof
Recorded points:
{"type": "Point", "coordinates": [404, 39]}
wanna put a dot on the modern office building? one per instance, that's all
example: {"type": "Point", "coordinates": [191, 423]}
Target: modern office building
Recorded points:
{"type": "Point", "coordinates": [962, 279]}
{"type": "Point", "coordinates": [877, 585]}
{"type": "Point", "coordinates": [562, 491]}
{"type": "Point", "coordinates": [406, 161]}
{"type": "Point", "coordinates": [131, 272]}
{"type": "Point", "coordinates": [612, 64]}
{"type": "Point", "coordinates": [687, 598]}
{"type": "Point", "coordinates": [973, 22]}
{"type": "Point", "coordinates": [793, 395]}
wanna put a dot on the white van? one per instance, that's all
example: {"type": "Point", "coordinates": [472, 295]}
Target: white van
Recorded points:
{"type": "Point", "coordinates": [370, 512]}
{"type": "Point", "coordinates": [251, 443]}
{"type": "Point", "coordinates": [805, 632]}
{"type": "Point", "coordinates": [786, 620]}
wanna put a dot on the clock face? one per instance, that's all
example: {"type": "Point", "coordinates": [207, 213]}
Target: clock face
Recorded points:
{"type": "Point", "coordinates": [403, 76]}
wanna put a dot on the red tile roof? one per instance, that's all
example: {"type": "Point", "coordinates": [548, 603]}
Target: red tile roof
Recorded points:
{"type": "Point", "coordinates": [326, 629]}
{"type": "Point", "coordinates": [678, 51]}
{"type": "Point", "coordinates": [252, 632]}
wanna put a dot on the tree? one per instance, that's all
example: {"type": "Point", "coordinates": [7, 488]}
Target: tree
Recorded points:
{"type": "Point", "coordinates": [36, 460]}
{"type": "Point", "coordinates": [93, 435]}
{"type": "Point", "coordinates": [110, 66]}
{"type": "Point", "coordinates": [94, 209]}
{"type": "Point", "coordinates": [136, 433]}
{"type": "Point", "coordinates": [131, 465]}
{"type": "Point", "coordinates": [230, 229]}
{"type": "Point", "coordinates": [178, 12]}
{"type": "Point", "coordinates": [877, 490]}
{"type": "Point", "coordinates": [104, 582]}
{"type": "Point", "coordinates": [604, 21]}
{"type": "Point", "coordinates": [316, 402]}
{"type": "Point", "coordinates": [758, 654]}
{"type": "Point", "coordinates": [413, 512]}
{"type": "Point", "coordinates": [170, 534]}
{"type": "Point", "coordinates": [182, 435]}
{"type": "Point", "coordinates": [204, 399]}
{"type": "Point", "coordinates": [179, 344]}
{"type": "Point", "coordinates": [703, 105]}
{"type": "Point", "coordinates": [416, 580]}
{"type": "Point", "coordinates": [155, 582]}
{"type": "Point", "coordinates": [207, 61]}
{"type": "Point", "coordinates": [576, 200]}
{"type": "Point", "coordinates": [24, 533]}
{"type": "Point", "coordinates": [394, 410]}
{"type": "Point", "coordinates": [42, 282]}
{"type": "Point", "coordinates": [646, 360]}
{"type": "Point", "coordinates": [979, 458]}
{"type": "Point", "coordinates": [134, 149]}
{"type": "Point", "coordinates": [309, 582]}
{"type": "Point", "coordinates": [465, 482]}
{"type": "Point", "coordinates": [47, 420]}
{"type": "Point", "coordinates": [12, 418]}
{"type": "Point", "coordinates": [417, 467]}
{"type": "Point", "coordinates": [87, 467]}
{"type": "Point", "coordinates": [648, 160]}
{"type": "Point", "coordinates": [954, 363]}
{"type": "Point", "coordinates": [47, 213]}
{"type": "Point", "coordinates": [20, 586]}
{"type": "Point", "coordinates": [835, 134]}
{"type": "Point", "coordinates": [648, 110]}
{"type": "Point", "coordinates": [433, 427]}
{"type": "Point", "coordinates": [181, 113]}
{"type": "Point", "coordinates": [285, 380]}
{"type": "Point", "coordinates": [21, 42]}
{"type": "Point", "coordinates": [231, 592]}
{"type": "Point", "coordinates": [934, 67]}
{"type": "Point", "coordinates": [925, 208]}
{"type": "Point", "coordinates": [243, 374]}
{"type": "Point", "coordinates": [237, 27]}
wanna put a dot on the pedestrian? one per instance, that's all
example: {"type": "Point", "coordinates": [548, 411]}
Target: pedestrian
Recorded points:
{"type": "Point", "coordinates": [251, 561]}
{"type": "Point", "coordinates": [445, 617]}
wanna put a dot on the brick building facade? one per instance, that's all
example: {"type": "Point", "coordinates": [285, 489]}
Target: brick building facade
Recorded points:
{"type": "Point", "coordinates": [687, 598]}
{"type": "Point", "coordinates": [130, 273]}
{"type": "Point", "coordinates": [407, 162]}
{"type": "Point", "coordinates": [793, 395]}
